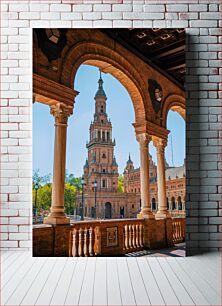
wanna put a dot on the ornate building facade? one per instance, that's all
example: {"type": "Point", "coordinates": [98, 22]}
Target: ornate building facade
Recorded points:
{"type": "Point", "coordinates": [101, 196]}
{"type": "Point", "coordinates": [175, 185]}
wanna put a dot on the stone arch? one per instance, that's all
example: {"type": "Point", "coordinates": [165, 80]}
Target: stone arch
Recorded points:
{"type": "Point", "coordinates": [109, 61]}
{"type": "Point", "coordinates": [175, 103]}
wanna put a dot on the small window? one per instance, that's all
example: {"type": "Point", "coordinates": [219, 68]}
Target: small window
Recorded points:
{"type": "Point", "coordinates": [101, 121]}
{"type": "Point", "coordinates": [104, 155]}
{"type": "Point", "coordinates": [104, 170]}
{"type": "Point", "coordinates": [104, 183]}
{"type": "Point", "coordinates": [132, 206]}
{"type": "Point", "coordinates": [101, 109]}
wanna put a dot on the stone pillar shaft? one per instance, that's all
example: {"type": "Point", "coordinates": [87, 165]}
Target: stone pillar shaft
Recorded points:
{"type": "Point", "coordinates": [61, 112]}
{"type": "Point", "coordinates": [146, 212]}
{"type": "Point", "coordinates": [160, 144]}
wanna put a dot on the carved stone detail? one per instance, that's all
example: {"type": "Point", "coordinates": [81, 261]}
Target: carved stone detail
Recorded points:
{"type": "Point", "coordinates": [160, 144]}
{"type": "Point", "coordinates": [61, 112]}
{"type": "Point", "coordinates": [143, 139]}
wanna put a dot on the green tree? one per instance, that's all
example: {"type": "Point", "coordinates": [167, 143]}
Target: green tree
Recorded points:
{"type": "Point", "coordinates": [70, 196]}
{"type": "Point", "coordinates": [44, 192]}
{"type": "Point", "coordinates": [121, 183]}
{"type": "Point", "coordinates": [72, 180]}
{"type": "Point", "coordinates": [44, 196]}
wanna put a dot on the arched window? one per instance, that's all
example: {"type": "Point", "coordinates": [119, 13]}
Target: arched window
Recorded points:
{"type": "Point", "coordinates": [107, 136]}
{"type": "Point", "coordinates": [173, 203]}
{"type": "Point", "coordinates": [153, 204]}
{"type": "Point", "coordinates": [168, 205]}
{"type": "Point", "coordinates": [99, 134]}
{"type": "Point", "coordinates": [104, 155]}
{"type": "Point", "coordinates": [103, 136]}
{"type": "Point", "coordinates": [101, 109]}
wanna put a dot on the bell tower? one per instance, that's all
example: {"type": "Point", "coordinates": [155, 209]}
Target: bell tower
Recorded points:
{"type": "Point", "coordinates": [101, 165]}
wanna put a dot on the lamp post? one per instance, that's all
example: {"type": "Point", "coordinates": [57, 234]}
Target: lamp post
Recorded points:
{"type": "Point", "coordinates": [35, 208]}
{"type": "Point", "coordinates": [95, 189]}
{"type": "Point", "coordinates": [82, 210]}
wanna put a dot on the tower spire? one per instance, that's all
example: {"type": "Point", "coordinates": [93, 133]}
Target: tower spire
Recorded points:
{"type": "Point", "coordinates": [100, 92]}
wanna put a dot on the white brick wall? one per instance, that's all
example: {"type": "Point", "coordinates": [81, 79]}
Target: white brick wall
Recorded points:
{"type": "Point", "coordinates": [201, 17]}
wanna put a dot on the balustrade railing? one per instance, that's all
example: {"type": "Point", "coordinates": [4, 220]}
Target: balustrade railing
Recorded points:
{"type": "Point", "coordinates": [178, 228]}
{"type": "Point", "coordinates": [133, 237]}
{"type": "Point", "coordinates": [112, 237]}
{"type": "Point", "coordinates": [95, 238]}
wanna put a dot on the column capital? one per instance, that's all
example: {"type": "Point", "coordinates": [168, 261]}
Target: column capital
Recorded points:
{"type": "Point", "coordinates": [159, 143]}
{"type": "Point", "coordinates": [61, 112]}
{"type": "Point", "coordinates": [143, 139]}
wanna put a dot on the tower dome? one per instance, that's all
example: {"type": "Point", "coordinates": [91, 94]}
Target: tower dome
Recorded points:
{"type": "Point", "coordinates": [100, 92]}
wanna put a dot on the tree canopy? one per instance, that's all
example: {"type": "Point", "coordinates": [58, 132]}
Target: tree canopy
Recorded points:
{"type": "Point", "coordinates": [44, 193]}
{"type": "Point", "coordinates": [121, 183]}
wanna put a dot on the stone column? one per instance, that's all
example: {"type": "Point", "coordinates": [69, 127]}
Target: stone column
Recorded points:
{"type": "Point", "coordinates": [177, 205]}
{"type": "Point", "coordinates": [61, 112]}
{"type": "Point", "coordinates": [160, 144]}
{"type": "Point", "coordinates": [183, 205]}
{"type": "Point", "coordinates": [145, 212]}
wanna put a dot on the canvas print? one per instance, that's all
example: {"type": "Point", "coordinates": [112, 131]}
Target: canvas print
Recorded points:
{"type": "Point", "coordinates": [109, 175]}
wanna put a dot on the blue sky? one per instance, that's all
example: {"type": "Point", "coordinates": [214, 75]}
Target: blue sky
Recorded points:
{"type": "Point", "coordinates": [120, 111]}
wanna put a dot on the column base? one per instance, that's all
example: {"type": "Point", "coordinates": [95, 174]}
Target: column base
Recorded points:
{"type": "Point", "coordinates": [56, 220]}
{"type": "Point", "coordinates": [162, 215]}
{"type": "Point", "coordinates": [145, 215]}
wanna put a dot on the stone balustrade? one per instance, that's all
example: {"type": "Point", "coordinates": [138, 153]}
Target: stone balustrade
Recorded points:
{"type": "Point", "coordinates": [113, 237]}
{"type": "Point", "coordinates": [106, 237]}
{"type": "Point", "coordinates": [178, 226]}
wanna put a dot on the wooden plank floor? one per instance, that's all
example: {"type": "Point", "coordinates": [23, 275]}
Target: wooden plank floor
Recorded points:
{"type": "Point", "coordinates": [110, 281]}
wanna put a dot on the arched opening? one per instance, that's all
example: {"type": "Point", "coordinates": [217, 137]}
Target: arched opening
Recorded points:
{"type": "Point", "coordinates": [173, 203]}
{"type": "Point", "coordinates": [175, 150]}
{"type": "Point", "coordinates": [174, 103]}
{"type": "Point", "coordinates": [179, 203]}
{"type": "Point", "coordinates": [109, 61]}
{"type": "Point", "coordinates": [108, 210]}
{"type": "Point", "coordinates": [168, 205]}
{"type": "Point", "coordinates": [153, 204]}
